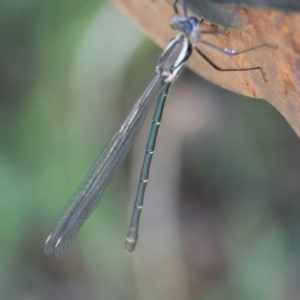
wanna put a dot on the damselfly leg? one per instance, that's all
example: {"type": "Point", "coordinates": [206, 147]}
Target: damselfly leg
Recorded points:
{"type": "Point", "coordinates": [226, 51]}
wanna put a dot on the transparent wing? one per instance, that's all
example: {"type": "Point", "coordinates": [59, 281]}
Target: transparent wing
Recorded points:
{"type": "Point", "coordinates": [89, 193]}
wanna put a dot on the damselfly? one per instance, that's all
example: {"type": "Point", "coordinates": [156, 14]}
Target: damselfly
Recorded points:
{"type": "Point", "coordinates": [88, 195]}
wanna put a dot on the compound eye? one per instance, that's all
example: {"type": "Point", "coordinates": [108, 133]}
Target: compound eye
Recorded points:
{"type": "Point", "coordinates": [193, 21]}
{"type": "Point", "coordinates": [174, 22]}
{"type": "Point", "coordinates": [186, 27]}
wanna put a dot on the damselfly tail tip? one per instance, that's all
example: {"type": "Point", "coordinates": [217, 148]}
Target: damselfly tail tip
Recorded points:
{"type": "Point", "coordinates": [131, 240]}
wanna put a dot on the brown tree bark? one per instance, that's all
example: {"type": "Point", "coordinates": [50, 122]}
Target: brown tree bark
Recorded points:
{"type": "Point", "coordinates": [281, 66]}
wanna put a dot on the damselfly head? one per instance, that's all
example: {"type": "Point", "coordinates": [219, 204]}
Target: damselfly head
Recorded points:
{"type": "Point", "coordinates": [188, 27]}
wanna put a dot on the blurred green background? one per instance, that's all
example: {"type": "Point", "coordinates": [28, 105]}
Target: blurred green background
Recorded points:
{"type": "Point", "coordinates": [221, 218]}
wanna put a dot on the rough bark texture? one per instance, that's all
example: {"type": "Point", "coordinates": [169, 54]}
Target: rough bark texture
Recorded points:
{"type": "Point", "coordinates": [281, 66]}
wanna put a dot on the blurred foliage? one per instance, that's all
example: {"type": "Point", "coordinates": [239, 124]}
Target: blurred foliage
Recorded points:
{"type": "Point", "coordinates": [46, 47]}
{"type": "Point", "coordinates": [69, 72]}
